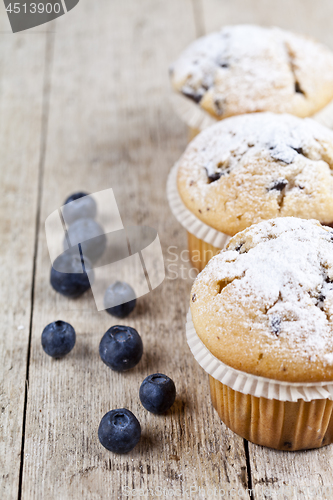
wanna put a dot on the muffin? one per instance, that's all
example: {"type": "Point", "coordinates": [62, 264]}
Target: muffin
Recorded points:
{"type": "Point", "coordinates": [246, 69]}
{"type": "Point", "coordinates": [253, 167]}
{"type": "Point", "coordinates": [263, 308]}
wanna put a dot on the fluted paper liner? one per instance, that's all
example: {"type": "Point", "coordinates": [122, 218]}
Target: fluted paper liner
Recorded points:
{"type": "Point", "coordinates": [252, 384]}
{"type": "Point", "coordinates": [187, 219]}
{"type": "Point", "coordinates": [197, 118]}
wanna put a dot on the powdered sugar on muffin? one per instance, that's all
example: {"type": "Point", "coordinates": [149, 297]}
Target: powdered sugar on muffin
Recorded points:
{"type": "Point", "coordinates": [247, 68]}
{"type": "Point", "coordinates": [265, 304]}
{"type": "Point", "coordinates": [257, 166]}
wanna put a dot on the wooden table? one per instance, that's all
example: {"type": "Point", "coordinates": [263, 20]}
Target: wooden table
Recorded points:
{"type": "Point", "coordinates": [84, 105]}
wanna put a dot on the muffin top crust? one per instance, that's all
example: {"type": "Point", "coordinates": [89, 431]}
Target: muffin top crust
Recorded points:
{"type": "Point", "coordinates": [264, 305]}
{"type": "Point", "coordinates": [253, 167]}
{"type": "Point", "coordinates": [248, 68]}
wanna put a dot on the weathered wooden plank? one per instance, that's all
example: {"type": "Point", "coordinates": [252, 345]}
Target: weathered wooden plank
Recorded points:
{"type": "Point", "coordinates": [302, 16]}
{"type": "Point", "coordinates": [291, 475]}
{"type": "Point", "coordinates": [21, 117]}
{"type": "Point", "coordinates": [111, 125]}
{"type": "Point", "coordinates": [282, 475]}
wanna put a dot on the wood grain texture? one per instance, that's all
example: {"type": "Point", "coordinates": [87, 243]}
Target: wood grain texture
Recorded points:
{"type": "Point", "coordinates": [111, 125]}
{"type": "Point", "coordinates": [302, 16]}
{"type": "Point", "coordinates": [21, 112]}
{"type": "Point", "coordinates": [283, 475]}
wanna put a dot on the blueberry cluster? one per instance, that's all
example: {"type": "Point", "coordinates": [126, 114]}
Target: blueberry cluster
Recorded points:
{"type": "Point", "coordinates": [120, 430]}
{"type": "Point", "coordinates": [121, 347]}
{"type": "Point", "coordinates": [69, 271]}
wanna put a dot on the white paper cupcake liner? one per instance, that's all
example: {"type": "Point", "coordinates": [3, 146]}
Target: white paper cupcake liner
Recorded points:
{"type": "Point", "coordinates": [196, 117]}
{"type": "Point", "coordinates": [252, 384]}
{"type": "Point", "coordinates": [187, 219]}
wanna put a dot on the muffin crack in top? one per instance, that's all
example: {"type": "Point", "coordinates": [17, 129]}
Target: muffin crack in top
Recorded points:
{"type": "Point", "coordinates": [254, 167]}
{"type": "Point", "coordinates": [265, 304]}
{"type": "Point", "coordinates": [247, 68]}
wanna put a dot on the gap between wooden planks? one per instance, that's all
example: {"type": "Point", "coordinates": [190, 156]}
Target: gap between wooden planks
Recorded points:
{"type": "Point", "coordinates": [274, 474]}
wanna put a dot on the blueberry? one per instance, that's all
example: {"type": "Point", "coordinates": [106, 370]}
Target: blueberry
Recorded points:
{"type": "Point", "coordinates": [67, 276]}
{"type": "Point", "coordinates": [58, 339]}
{"type": "Point", "coordinates": [157, 393]}
{"type": "Point", "coordinates": [91, 236]}
{"type": "Point", "coordinates": [119, 431]}
{"type": "Point", "coordinates": [119, 299]}
{"type": "Point", "coordinates": [121, 348]}
{"type": "Point", "coordinates": [75, 196]}
{"type": "Point", "coordinates": [83, 208]}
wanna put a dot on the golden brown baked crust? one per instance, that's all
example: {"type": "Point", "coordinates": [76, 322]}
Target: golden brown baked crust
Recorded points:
{"type": "Point", "coordinates": [247, 68]}
{"type": "Point", "coordinates": [265, 304]}
{"type": "Point", "coordinates": [254, 167]}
